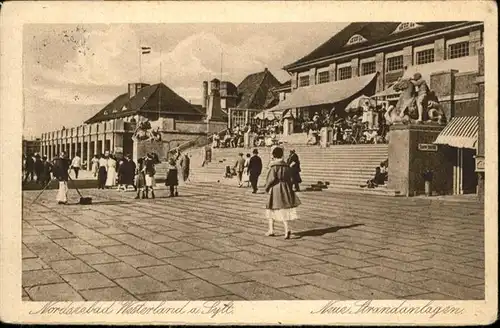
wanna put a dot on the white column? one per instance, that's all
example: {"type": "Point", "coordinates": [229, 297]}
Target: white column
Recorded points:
{"type": "Point", "coordinates": [103, 144]}
{"type": "Point", "coordinates": [89, 165]}
{"type": "Point", "coordinates": [71, 147]}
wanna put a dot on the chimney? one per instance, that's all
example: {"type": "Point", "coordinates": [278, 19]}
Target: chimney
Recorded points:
{"type": "Point", "coordinates": [134, 88]}
{"type": "Point", "coordinates": [205, 95]}
{"type": "Point", "coordinates": [214, 87]}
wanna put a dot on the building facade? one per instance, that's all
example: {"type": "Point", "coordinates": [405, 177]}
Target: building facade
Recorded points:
{"type": "Point", "coordinates": [111, 128]}
{"type": "Point", "coordinates": [368, 58]}
{"type": "Point", "coordinates": [393, 50]}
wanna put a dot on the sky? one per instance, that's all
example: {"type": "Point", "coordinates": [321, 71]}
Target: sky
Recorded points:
{"type": "Point", "coordinates": [72, 71]}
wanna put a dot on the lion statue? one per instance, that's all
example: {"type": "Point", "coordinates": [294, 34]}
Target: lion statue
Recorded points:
{"type": "Point", "coordinates": [406, 109]}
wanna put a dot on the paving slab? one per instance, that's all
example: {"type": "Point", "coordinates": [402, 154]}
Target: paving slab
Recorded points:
{"type": "Point", "coordinates": [191, 248]}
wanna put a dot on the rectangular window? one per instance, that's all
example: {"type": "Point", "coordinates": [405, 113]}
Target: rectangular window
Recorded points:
{"type": "Point", "coordinates": [345, 73]}
{"type": "Point", "coordinates": [458, 50]}
{"type": "Point", "coordinates": [323, 77]}
{"type": "Point", "coordinates": [395, 63]}
{"type": "Point", "coordinates": [425, 56]}
{"type": "Point", "coordinates": [304, 81]}
{"type": "Point", "coordinates": [368, 68]}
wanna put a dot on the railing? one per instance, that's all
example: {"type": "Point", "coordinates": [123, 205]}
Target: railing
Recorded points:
{"type": "Point", "coordinates": [192, 143]}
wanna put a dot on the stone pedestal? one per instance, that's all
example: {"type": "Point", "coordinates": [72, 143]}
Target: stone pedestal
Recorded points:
{"type": "Point", "coordinates": [411, 153]}
{"type": "Point", "coordinates": [141, 148]}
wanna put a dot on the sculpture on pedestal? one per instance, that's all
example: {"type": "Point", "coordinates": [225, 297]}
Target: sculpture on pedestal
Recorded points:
{"type": "Point", "coordinates": [415, 105]}
{"type": "Point", "coordinates": [143, 132]}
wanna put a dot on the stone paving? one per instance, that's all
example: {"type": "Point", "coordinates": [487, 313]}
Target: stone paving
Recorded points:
{"type": "Point", "coordinates": [209, 244]}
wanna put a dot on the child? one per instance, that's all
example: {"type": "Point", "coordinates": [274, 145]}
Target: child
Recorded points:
{"type": "Point", "coordinates": [172, 180]}
{"type": "Point", "coordinates": [139, 179]}
{"type": "Point", "coordinates": [149, 174]}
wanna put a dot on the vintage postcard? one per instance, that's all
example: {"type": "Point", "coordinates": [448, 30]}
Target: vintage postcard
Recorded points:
{"type": "Point", "coordinates": [249, 162]}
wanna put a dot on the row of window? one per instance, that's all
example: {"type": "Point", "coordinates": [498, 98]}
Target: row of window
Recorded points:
{"type": "Point", "coordinates": [396, 63]}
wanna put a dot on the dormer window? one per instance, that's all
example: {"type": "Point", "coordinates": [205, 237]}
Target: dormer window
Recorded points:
{"type": "Point", "coordinates": [406, 26]}
{"type": "Point", "coordinates": [357, 38]}
{"type": "Point", "coordinates": [124, 108]}
{"type": "Point", "coordinates": [106, 112]}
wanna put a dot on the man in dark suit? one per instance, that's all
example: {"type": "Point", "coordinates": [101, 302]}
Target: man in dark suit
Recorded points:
{"type": "Point", "coordinates": [294, 163]}
{"type": "Point", "coordinates": [254, 170]}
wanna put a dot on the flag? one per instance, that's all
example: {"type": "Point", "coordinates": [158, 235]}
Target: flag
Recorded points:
{"type": "Point", "coordinates": [145, 50]}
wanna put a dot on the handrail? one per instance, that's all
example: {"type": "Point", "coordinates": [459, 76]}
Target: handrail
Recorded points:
{"type": "Point", "coordinates": [190, 143]}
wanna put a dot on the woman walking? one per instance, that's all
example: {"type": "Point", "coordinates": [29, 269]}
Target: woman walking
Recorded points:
{"type": "Point", "coordinates": [283, 202]}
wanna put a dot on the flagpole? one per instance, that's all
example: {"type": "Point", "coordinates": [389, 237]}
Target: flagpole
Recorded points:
{"type": "Point", "coordinates": [140, 63]}
{"type": "Point", "coordinates": [159, 91]}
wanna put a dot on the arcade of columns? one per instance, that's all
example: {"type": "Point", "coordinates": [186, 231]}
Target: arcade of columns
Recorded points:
{"type": "Point", "coordinates": [87, 140]}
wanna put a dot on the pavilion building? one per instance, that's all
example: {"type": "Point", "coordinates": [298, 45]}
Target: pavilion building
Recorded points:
{"type": "Point", "coordinates": [368, 58]}
{"type": "Point", "coordinates": [111, 128]}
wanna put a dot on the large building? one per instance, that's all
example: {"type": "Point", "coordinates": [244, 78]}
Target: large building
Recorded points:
{"type": "Point", "coordinates": [368, 58]}
{"type": "Point", "coordinates": [111, 128]}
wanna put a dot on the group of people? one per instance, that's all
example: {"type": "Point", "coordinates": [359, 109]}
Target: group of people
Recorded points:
{"type": "Point", "coordinates": [233, 138]}
{"type": "Point", "coordinates": [40, 170]}
{"type": "Point", "coordinates": [248, 169]}
{"type": "Point", "coordinates": [123, 173]}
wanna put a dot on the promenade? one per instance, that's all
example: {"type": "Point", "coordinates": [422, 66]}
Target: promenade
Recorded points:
{"type": "Point", "coordinates": [209, 244]}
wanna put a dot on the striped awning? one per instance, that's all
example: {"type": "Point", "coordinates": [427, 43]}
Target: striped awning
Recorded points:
{"type": "Point", "coordinates": [461, 132]}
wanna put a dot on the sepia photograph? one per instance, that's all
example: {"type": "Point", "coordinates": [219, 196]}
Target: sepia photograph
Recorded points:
{"type": "Point", "coordinates": [177, 162]}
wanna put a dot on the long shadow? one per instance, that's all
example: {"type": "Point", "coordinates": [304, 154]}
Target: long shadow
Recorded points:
{"type": "Point", "coordinates": [109, 202]}
{"type": "Point", "coordinates": [324, 231]}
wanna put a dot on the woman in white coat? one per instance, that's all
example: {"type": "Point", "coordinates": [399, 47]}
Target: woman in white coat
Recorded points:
{"type": "Point", "coordinates": [111, 177]}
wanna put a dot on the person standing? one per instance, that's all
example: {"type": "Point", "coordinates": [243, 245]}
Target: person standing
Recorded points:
{"type": "Point", "coordinates": [185, 163]}
{"type": "Point", "coordinates": [239, 167]}
{"type": "Point", "coordinates": [76, 164]}
{"type": "Point", "coordinates": [46, 171]}
{"type": "Point", "coordinates": [246, 177]}
{"type": "Point", "coordinates": [294, 163]}
{"type": "Point", "coordinates": [111, 176]}
{"type": "Point", "coordinates": [29, 168]}
{"type": "Point", "coordinates": [254, 170]}
{"type": "Point", "coordinates": [149, 175]}
{"type": "Point", "coordinates": [61, 173]}
{"type": "Point", "coordinates": [95, 165]}
{"type": "Point", "coordinates": [172, 180]}
{"type": "Point", "coordinates": [103, 170]}
{"type": "Point", "coordinates": [128, 171]}
{"type": "Point", "coordinates": [282, 202]}
{"type": "Point", "coordinates": [139, 179]}
{"type": "Point", "coordinates": [38, 167]}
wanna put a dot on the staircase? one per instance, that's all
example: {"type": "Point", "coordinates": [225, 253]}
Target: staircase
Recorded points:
{"type": "Point", "coordinates": [345, 167]}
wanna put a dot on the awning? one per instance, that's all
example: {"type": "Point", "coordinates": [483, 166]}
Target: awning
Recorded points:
{"type": "Point", "coordinates": [461, 132]}
{"type": "Point", "coordinates": [324, 93]}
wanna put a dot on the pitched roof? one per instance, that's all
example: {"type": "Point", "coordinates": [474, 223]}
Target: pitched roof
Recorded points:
{"type": "Point", "coordinates": [373, 32]}
{"type": "Point", "coordinates": [254, 90]}
{"type": "Point", "coordinates": [146, 100]}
